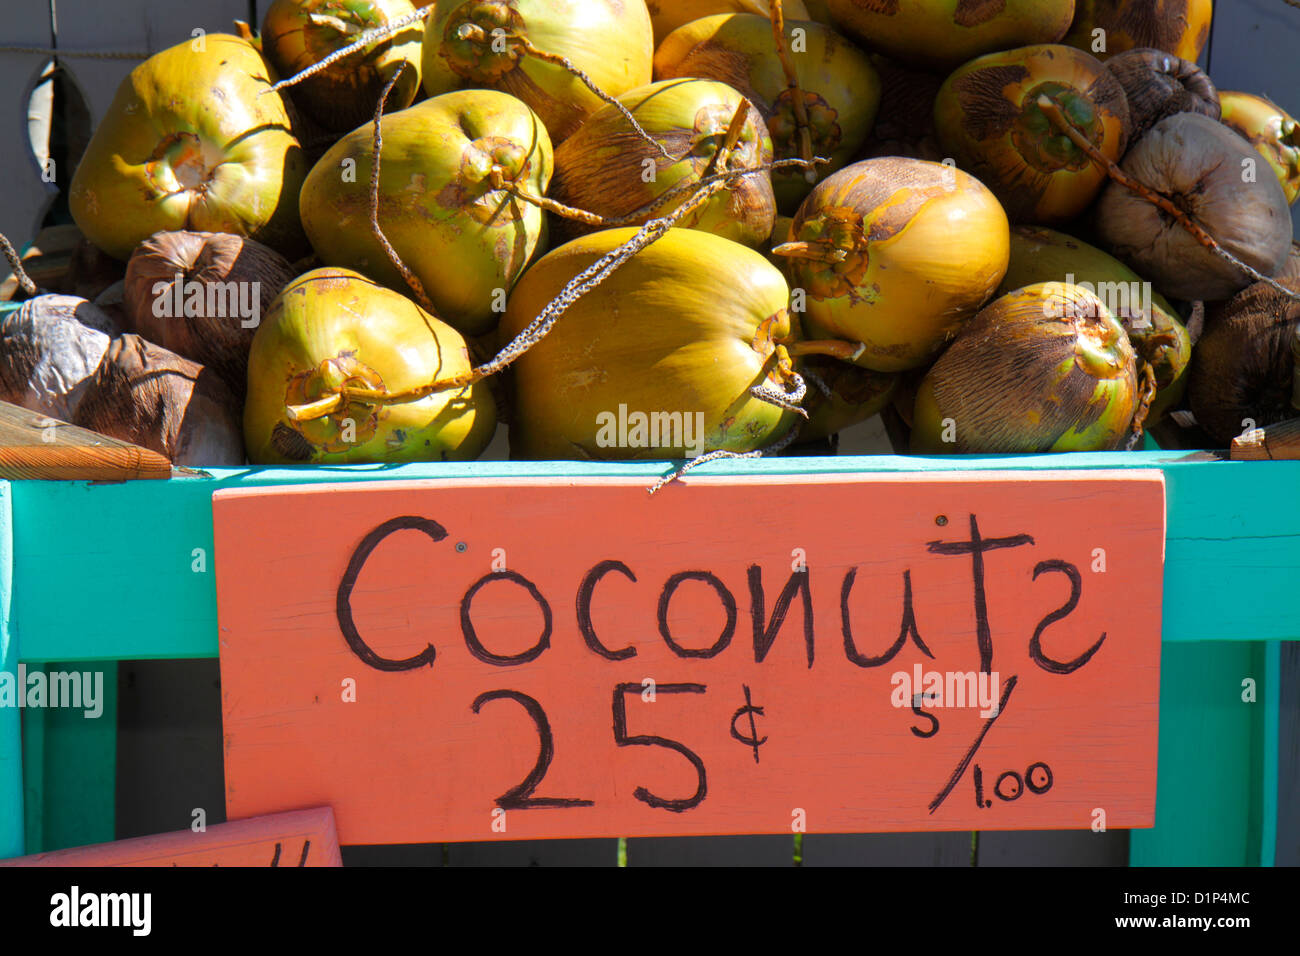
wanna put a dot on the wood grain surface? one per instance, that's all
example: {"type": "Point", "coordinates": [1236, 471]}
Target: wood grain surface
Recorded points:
{"type": "Point", "coordinates": [33, 445]}
{"type": "Point", "coordinates": [297, 838]}
{"type": "Point", "coordinates": [461, 660]}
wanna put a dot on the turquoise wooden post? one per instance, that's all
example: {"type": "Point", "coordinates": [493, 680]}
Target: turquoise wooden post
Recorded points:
{"type": "Point", "coordinates": [1232, 528]}
{"type": "Point", "coordinates": [70, 769]}
{"type": "Point", "coordinates": [11, 762]}
{"type": "Point", "coordinates": [1211, 780]}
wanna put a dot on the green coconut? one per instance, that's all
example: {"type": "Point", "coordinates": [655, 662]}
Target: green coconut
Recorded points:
{"type": "Point", "coordinates": [1153, 325]}
{"type": "Point", "coordinates": [443, 201]}
{"type": "Point", "coordinates": [607, 169]}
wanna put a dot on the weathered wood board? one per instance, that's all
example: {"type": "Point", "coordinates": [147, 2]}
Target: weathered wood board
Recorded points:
{"type": "Point", "coordinates": [296, 838]}
{"type": "Point", "coordinates": [519, 659]}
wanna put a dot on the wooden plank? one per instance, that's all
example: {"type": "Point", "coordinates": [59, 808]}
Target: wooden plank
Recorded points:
{"type": "Point", "coordinates": [1207, 806]}
{"type": "Point", "coordinates": [11, 758]}
{"type": "Point", "coordinates": [69, 759]}
{"type": "Point", "coordinates": [1233, 530]}
{"type": "Point", "coordinates": [24, 196]}
{"type": "Point", "coordinates": [35, 446]}
{"type": "Point", "coordinates": [1061, 848]}
{"type": "Point", "coordinates": [889, 849]}
{"type": "Point", "coordinates": [300, 838]}
{"type": "Point", "coordinates": [1288, 776]}
{"type": "Point", "coordinates": [168, 746]}
{"type": "Point", "coordinates": [308, 606]}
{"type": "Point", "coordinates": [736, 851]}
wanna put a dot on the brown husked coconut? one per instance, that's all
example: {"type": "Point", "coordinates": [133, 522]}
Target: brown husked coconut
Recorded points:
{"type": "Point", "coordinates": [146, 395]}
{"type": "Point", "coordinates": [1159, 84]}
{"type": "Point", "coordinates": [202, 295]}
{"type": "Point", "coordinates": [1243, 367]}
{"type": "Point", "coordinates": [49, 350]}
{"type": "Point", "coordinates": [1210, 173]}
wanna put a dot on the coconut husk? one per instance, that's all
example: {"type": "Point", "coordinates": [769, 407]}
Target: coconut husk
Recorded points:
{"type": "Point", "coordinates": [1197, 163]}
{"type": "Point", "coordinates": [49, 349]}
{"type": "Point", "coordinates": [222, 278]}
{"type": "Point", "coordinates": [151, 397]}
{"type": "Point", "coordinates": [1159, 84]}
{"type": "Point", "coordinates": [1243, 368]}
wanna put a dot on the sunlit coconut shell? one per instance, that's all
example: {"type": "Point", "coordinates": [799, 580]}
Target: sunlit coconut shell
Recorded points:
{"type": "Point", "coordinates": [1045, 368]}
{"type": "Point", "coordinates": [1271, 130]}
{"type": "Point", "coordinates": [49, 350]}
{"type": "Point", "coordinates": [896, 254]}
{"type": "Point", "coordinates": [1107, 27]}
{"type": "Point", "coordinates": [148, 396]}
{"type": "Point", "coordinates": [464, 236]}
{"type": "Point", "coordinates": [1200, 165]}
{"type": "Point", "coordinates": [607, 169]}
{"type": "Point", "coordinates": [202, 295]}
{"type": "Point", "coordinates": [609, 40]}
{"type": "Point", "coordinates": [193, 140]}
{"type": "Point", "coordinates": [989, 120]}
{"type": "Point", "coordinates": [1039, 254]}
{"type": "Point", "coordinates": [668, 15]}
{"type": "Point", "coordinates": [1244, 366]}
{"type": "Point", "coordinates": [332, 328]}
{"type": "Point", "coordinates": [685, 328]}
{"type": "Point", "coordinates": [1159, 84]}
{"type": "Point", "coordinates": [841, 90]}
{"type": "Point", "coordinates": [941, 34]}
{"type": "Point", "coordinates": [297, 34]}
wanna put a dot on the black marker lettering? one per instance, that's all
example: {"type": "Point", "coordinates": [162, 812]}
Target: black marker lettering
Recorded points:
{"type": "Point", "coordinates": [917, 701]}
{"type": "Point", "coordinates": [976, 547]}
{"type": "Point", "coordinates": [471, 637]}
{"type": "Point", "coordinates": [728, 604]}
{"type": "Point", "coordinates": [521, 797]}
{"type": "Point", "coordinates": [1036, 642]}
{"type": "Point", "coordinates": [765, 633]}
{"type": "Point", "coordinates": [906, 629]}
{"type": "Point", "coordinates": [648, 740]}
{"type": "Point", "coordinates": [585, 593]}
{"type": "Point", "coordinates": [343, 601]}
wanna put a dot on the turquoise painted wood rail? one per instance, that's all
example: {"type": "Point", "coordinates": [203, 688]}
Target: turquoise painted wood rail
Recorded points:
{"type": "Point", "coordinates": [107, 572]}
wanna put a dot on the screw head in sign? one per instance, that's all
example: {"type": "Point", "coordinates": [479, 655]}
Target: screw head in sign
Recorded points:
{"type": "Point", "coordinates": [941, 520]}
{"type": "Point", "coordinates": [461, 546]}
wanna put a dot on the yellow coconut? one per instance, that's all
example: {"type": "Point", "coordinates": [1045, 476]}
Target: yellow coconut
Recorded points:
{"type": "Point", "coordinates": [659, 360]}
{"type": "Point", "coordinates": [896, 254]}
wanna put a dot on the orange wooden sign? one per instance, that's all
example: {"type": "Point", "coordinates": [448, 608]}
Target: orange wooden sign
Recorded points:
{"type": "Point", "coordinates": [296, 838]}
{"type": "Point", "coordinates": [529, 658]}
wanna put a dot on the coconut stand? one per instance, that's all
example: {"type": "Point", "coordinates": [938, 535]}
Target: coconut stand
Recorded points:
{"type": "Point", "coordinates": [106, 557]}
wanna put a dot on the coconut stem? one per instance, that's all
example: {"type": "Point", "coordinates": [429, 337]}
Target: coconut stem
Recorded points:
{"type": "Point", "coordinates": [729, 140]}
{"type": "Point", "coordinates": [1057, 118]}
{"type": "Point", "coordinates": [498, 181]}
{"type": "Point", "coordinates": [796, 94]}
{"type": "Point", "coordinates": [415, 284]}
{"type": "Point", "coordinates": [566, 64]}
{"type": "Point", "coordinates": [835, 348]}
{"type": "Point", "coordinates": [814, 251]}
{"type": "Point", "coordinates": [364, 40]}
{"type": "Point", "coordinates": [24, 280]}
{"type": "Point", "coordinates": [1149, 388]}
